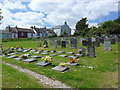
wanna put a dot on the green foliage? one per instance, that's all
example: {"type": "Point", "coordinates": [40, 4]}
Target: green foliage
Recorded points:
{"type": "Point", "coordinates": [55, 35]}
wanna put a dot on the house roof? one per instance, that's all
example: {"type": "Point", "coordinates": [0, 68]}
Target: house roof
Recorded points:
{"type": "Point", "coordinates": [55, 27]}
{"type": "Point", "coordinates": [24, 30]}
{"type": "Point", "coordinates": [4, 31]}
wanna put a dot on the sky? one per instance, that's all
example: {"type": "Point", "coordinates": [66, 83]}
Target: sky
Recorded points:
{"type": "Point", "coordinates": [49, 13]}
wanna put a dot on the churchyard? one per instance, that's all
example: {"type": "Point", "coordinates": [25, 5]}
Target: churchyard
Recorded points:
{"type": "Point", "coordinates": [77, 62]}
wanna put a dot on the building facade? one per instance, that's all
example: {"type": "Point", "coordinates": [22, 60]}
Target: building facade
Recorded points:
{"type": "Point", "coordinates": [60, 29]}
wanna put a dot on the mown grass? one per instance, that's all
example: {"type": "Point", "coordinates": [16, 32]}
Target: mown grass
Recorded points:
{"type": "Point", "coordinates": [13, 78]}
{"type": "Point", "coordinates": [78, 77]}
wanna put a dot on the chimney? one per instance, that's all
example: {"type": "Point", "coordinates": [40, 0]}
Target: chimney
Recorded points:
{"type": "Point", "coordinates": [34, 27]}
{"type": "Point", "coordinates": [16, 27]}
{"type": "Point", "coordinates": [65, 23]}
{"type": "Point", "coordinates": [31, 27]}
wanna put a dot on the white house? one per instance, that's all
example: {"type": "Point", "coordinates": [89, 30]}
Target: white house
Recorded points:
{"type": "Point", "coordinates": [60, 29]}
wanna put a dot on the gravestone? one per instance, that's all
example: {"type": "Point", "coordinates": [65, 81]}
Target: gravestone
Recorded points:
{"type": "Point", "coordinates": [35, 56]}
{"type": "Point", "coordinates": [73, 56]}
{"type": "Point", "coordinates": [58, 42]}
{"type": "Point", "coordinates": [45, 43]}
{"type": "Point", "coordinates": [53, 54]}
{"type": "Point", "coordinates": [54, 44]}
{"type": "Point", "coordinates": [27, 54]}
{"type": "Point", "coordinates": [63, 55]}
{"type": "Point", "coordinates": [73, 43]}
{"type": "Point", "coordinates": [107, 44]}
{"type": "Point", "coordinates": [89, 43]}
{"type": "Point", "coordinates": [60, 52]}
{"type": "Point", "coordinates": [43, 63]}
{"type": "Point", "coordinates": [39, 43]}
{"type": "Point", "coordinates": [84, 43]}
{"type": "Point", "coordinates": [112, 40]}
{"type": "Point", "coordinates": [72, 64]}
{"type": "Point", "coordinates": [12, 57]}
{"type": "Point", "coordinates": [70, 52]}
{"type": "Point", "coordinates": [18, 58]}
{"type": "Point", "coordinates": [91, 51]}
{"type": "Point", "coordinates": [60, 68]}
{"type": "Point", "coordinates": [82, 51]}
{"type": "Point", "coordinates": [29, 60]}
{"type": "Point", "coordinates": [63, 44]}
{"type": "Point", "coordinates": [44, 53]}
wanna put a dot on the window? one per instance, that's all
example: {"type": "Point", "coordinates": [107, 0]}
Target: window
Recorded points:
{"type": "Point", "coordinates": [31, 34]}
{"type": "Point", "coordinates": [22, 34]}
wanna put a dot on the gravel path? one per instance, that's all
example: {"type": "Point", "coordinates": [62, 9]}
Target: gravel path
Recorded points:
{"type": "Point", "coordinates": [41, 78]}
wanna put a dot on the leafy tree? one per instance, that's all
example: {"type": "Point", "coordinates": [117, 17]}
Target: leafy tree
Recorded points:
{"type": "Point", "coordinates": [81, 25]}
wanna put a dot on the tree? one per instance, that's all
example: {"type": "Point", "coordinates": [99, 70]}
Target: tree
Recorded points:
{"type": "Point", "coordinates": [81, 25]}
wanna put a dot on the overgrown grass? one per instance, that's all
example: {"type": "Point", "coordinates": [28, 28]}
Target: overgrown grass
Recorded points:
{"type": "Point", "coordinates": [78, 77]}
{"type": "Point", "coordinates": [13, 78]}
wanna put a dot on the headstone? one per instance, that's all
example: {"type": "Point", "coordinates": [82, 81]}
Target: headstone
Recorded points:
{"type": "Point", "coordinates": [45, 43]}
{"type": "Point", "coordinates": [63, 55]}
{"type": "Point", "coordinates": [84, 43]}
{"type": "Point", "coordinates": [63, 44]}
{"type": "Point", "coordinates": [60, 68]}
{"type": "Point", "coordinates": [107, 44]}
{"type": "Point", "coordinates": [44, 53]}
{"type": "Point", "coordinates": [91, 51]}
{"type": "Point", "coordinates": [79, 55]}
{"type": "Point", "coordinates": [39, 43]}
{"type": "Point", "coordinates": [73, 56]}
{"type": "Point", "coordinates": [82, 51]}
{"type": "Point", "coordinates": [72, 64]}
{"type": "Point", "coordinates": [73, 43]}
{"type": "Point", "coordinates": [18, 58]}
{"type": "Point", "coordinates": [12, 57]}
{"type": "Point", "coordinates": [60, 52]}
{"type": "Point", "coordinates": [53, 54]}
{"type": "Point", "coordinates": [58, 42]}
{"type": "Point", "coordinates": [35, 56]}
{"type": "Point", "coordinates": [54, 44]}
{"type": "Point", "coordinates": [70, 52]}
{"type": "Point", "coordinates": [43, 63]}
{"type": "Point", "coordinates": [29, 60]}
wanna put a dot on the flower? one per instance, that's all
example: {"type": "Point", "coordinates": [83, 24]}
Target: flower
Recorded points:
{"type": "Point", "coordinates": [73, 60]}
{"type": "Point", "coordinates": [46, 58]}
{"type": "Point", "coordinates": [63, 64]}
{"type": "Point", "coordinates": [23, 56]}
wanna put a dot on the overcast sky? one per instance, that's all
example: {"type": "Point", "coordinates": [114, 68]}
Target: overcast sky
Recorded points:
{"type": "Point", "coordinates": [41, 13]}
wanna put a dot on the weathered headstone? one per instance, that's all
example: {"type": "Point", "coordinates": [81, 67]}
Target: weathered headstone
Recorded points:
{"type": "Point", "coordinates": [60, 68]}
{"type": "Point", "coordinates": [73, 43]}
{"type": "Point", "coordinates": [54, 44]}
{"type": "Point", "coordinates": [63, 44]}
{"type": "Point", "coordinates": [91, 51]}
{"type": "Point", "coordinates": [29, 60]}
{"type": "Point", "coordinates": [107, 44]}
{"type": "Point", "coordinates": [58, 42]}
{"type": "Point", "coordinates": [43, 63]}
{"type": "Point", "coordinates": [45, 43]}
{"type": "Point", "coordinates": [82, 51]}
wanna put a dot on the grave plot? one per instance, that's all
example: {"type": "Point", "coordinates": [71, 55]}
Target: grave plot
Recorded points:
{"type": "Point", "coordinates": [60, 52]}
{"type": "Point", "coordinates": [70, 52]}
{"type": "Point", "coordinates": [12, 56]}
{"type": "Point", "coordinates": [29, 60]}
{"type": "Point", "coordinates": [63, 55]}
{"type": "Point", "coordinates": [35, 56]}
{"type": "Point", "coordinates": [61, 67]}
{"type": "Point", "coordinates": [43, 63]}
{"type": "Point", "coordinates": [53, 54]}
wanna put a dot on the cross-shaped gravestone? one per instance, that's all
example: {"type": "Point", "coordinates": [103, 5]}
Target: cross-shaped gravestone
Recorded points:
{"type": "Point", "coordinates": [91, 51]}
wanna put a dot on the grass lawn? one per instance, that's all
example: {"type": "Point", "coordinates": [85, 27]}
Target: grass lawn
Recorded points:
{"type": "Point", "coordinates": [105, 75]}
{"type": "Point", "coordinates": [13, 78]}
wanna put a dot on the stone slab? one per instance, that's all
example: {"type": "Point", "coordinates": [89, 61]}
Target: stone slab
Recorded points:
{"type": "Point", "coordinates": [60, 68]}
{"type": "Point", "coordinates": [72, 64]}
{"type": "Point", "coordinates": [73, 56]}
{"type": "Point", "coordinates": [18, 58]}
{"type": "Point", "coordinates": [43, 64]}
{"type": "Point", "coordinates": [12, 57]}
{"type": "Point", "coordinates": [70, 52]}
{"type": "Point", "coordinates": [35, 56]}
{"type": "Point", "coordinates": [27, 54]}
{"type": "Point", "coordinates": [63, 55]}
{"type": "Point", "coordinates": [44, 53]}
{"type": "Point", "coordinates": [29, 60]}
{"type": "Point", "coordinates": [60, 52]}
{"type": "Point", "coordinates": [79, 55]}
{"type": "Point", "coordinates": [53, 54]}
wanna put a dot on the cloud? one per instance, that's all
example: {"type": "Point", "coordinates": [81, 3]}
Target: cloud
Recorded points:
{"type": "Point", "coordinates": [39, 12]}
